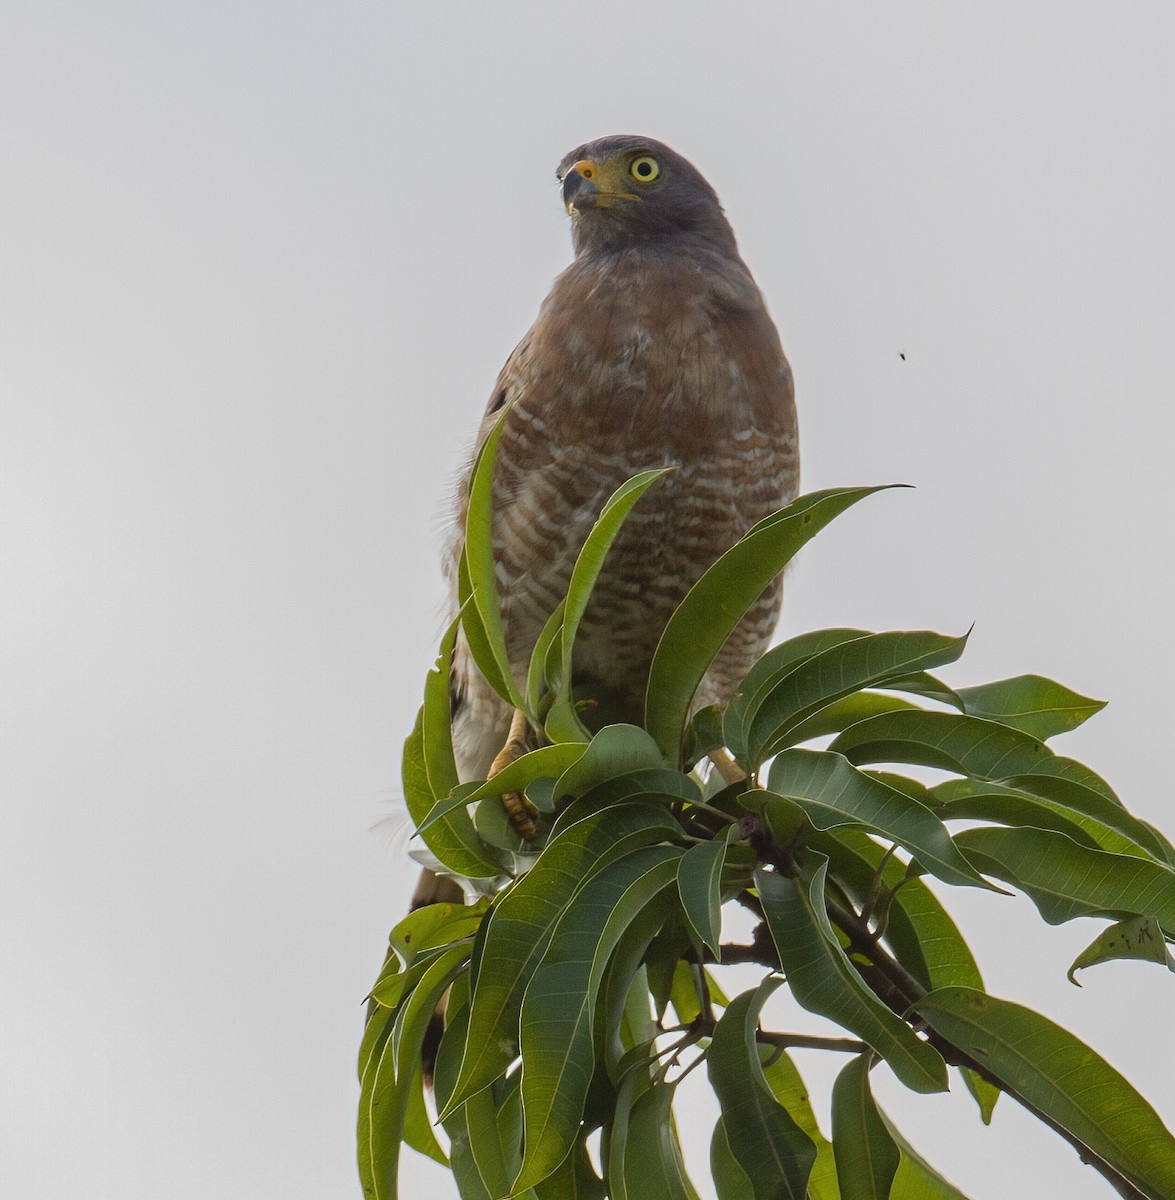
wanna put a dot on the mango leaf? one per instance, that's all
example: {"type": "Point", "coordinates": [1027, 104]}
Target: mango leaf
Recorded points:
{"type": "Point", "coordinates": [435, 926]}
{"type": "Point", "coordinates": [563, 723]}
{"type": "Point", "coordinates": [832, 792]}
{"type": "Point", "coordinates": [418, 1123]}
{"type": "Point", "coordinates": [418, 1130]}
{"type": "Point", "coordinates": [1063, 1078]}
{"type": "Point", "coordinates": [538, 677]}
{"type": "Point", "coordinates": [790, 1090]}
{"type": "Point", "coordinates": [919, 931]}
{"type": "Point", "coordinates": [547, 762]}
{"type": "Point", "coordinates": [1066, 880]}
{"type": "Point", "coordinates": [616, 750]}
{"type": "Point", "coordinates": [824, 981]}
{"type": "Point", "coordinates": [866, 1157]}
{"type": "Point", "coordinates": [703, 734]}
{"type": "Point", "coordinates": [592, 554]}
{"type": "Point", "coordinates": [560, 1000]}
{"type": "Point", "coordinates": [1136, 937]}
{"type": "Point", "coordinates": [481, 649]}
{"type": "Point", "coordinates": [771, 1149]}
{"type": "Point", "coordinates": [838, 672]}
{"type": "Point", "coordinates": [575, 1179]}
{"type": "Point", "coordinates": [916, 1179]}
{"type": "Point", "coordinates": [385, 1088]}
{"type": "Point", "coordinates": [731, 1182]}
{"type": "Point", "coordinates": [922, 683]}
{"type": "Point", "coordinates": [624, 1017]}
{"type": "Point", "coordinates": [483, 622]}
{"type": "Point", "coordinates": [995, 753]}
{"type": "Point", "coordinates": [840, 714]}
{"type": "Point", "coordinates": [652, 785]}
{"type": "Point", "coordinates": [969, 799]}
{"type": "Point", "coordinates": [768, 672]}
{"type": "Point", "coordinates": [717, 602]}
{"type": "Point", "coordinates": [375, 1031]}
{"type": "Point", "coordinates": [699, 879]}
{"type": "Point", "coordinates": [1038, 706]}
{"type": "Point", "coordinates": [396, 980]}
{"type": "Point", "coordinates": [417, 940]}
{"type": "Point", "coordinates": [520, 923]}
{"type": "Point", "coordinates": [644, 1154]}
{"type": "Point", "coordinates": [453, 840]}
{"type": "Point", "coordinates": [479, 1147]}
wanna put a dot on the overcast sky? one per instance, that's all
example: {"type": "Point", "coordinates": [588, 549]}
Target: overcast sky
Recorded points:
{"type": "Point", "coordinates": [259, 265]}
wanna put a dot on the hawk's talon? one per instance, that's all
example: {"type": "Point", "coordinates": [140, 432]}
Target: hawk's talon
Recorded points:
{"type": "Point", "coordinates": [522, 814]}
{"type": "Point", "coordinates": [518, 808]}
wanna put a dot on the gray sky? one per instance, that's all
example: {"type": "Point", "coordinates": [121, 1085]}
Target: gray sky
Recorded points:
{"type": "Point", "coordinates": [259, 265]}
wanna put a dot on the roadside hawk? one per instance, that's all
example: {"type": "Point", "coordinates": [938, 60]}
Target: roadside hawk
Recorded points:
{"type": "Point", "coordinates": [653, 348]}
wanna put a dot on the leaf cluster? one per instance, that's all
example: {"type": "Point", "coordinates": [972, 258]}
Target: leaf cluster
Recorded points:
{"type": "Point", "coordinates": [586, 982]}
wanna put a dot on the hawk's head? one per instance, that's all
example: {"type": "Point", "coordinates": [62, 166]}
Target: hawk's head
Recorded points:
{"type": "Point", "coordinates": [625, 189]}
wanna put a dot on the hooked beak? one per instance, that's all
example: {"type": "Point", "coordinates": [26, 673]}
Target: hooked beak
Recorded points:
{"type": "Point", "coordinates": [582, 190]}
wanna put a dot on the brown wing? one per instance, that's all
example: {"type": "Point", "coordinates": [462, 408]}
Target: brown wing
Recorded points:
{"type": "Point", "coordinates": [633, 363]}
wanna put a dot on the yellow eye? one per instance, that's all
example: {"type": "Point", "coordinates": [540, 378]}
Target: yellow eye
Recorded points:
{"type": "Point", "coordinates": [644, 169]}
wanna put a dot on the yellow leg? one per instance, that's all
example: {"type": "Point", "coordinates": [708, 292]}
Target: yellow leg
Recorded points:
{"type": "Point", "coordinates": [518, 808]}
{"type": "Point", "coordinates": [725, 765]}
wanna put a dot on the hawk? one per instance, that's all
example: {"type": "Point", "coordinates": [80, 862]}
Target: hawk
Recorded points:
{"type": "Point", "coordinates": [653, 348]}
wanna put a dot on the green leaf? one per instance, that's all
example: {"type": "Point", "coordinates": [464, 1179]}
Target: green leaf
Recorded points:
{"type": "Point", "coordinates": [547, 762]}
{"type": "Point", "coordinates": [418, 1131]}
{"type": "Point", "coordinates": [623, 1016]}
{"type": "Point", "coordinates": [563, 723]}
{"type": "Point", "coordinates": [478, 562]}
{"type": "Point", "coordinates": [699, 879]}
{"type": "Point", "coordinates": [1136, 937]}
{"type": "Point", "coordinates": [1066, 880]}
{"type": "Point", "coordinates": [478, 1151]}
{"type": "Point", "coordinates": [385, 1088]}
{"type": "Point", "coordinates": [835, 673]}
{"type": "Point", "coordinates": [824, 981]}
{"type": "Point", "coordinates": [922, 683]}
{"type": "Point", "coordinates": [840, 714]}
{"type": "Point", "coordinates": [417, 940]}
{"type": "Point", "coordinates": [616, 750]}
{"type": "Point", "coordinates": [652, 785]}
{"type": "Point", "coordinates": [435, 926]}
{"type": "Point", "coordinates": [520, 924]}
{"type": "Point", "coordinates": [559, 1005]}
{"type": "Point", "coordinates": [730, 1181]}
{"type": "Point", "coordinates": [832, 792]}
{"type": "Point", "coordinates": [790, 1090]}
{"type": "Point", "coordinates": [768, 672]}
{"type": "Point", "coordinates": [770, 1148]}
{"type": "Point", "coordinates": [704, 734]}
{"type": "Point", "coordinates": [644, 1154]}
{"type": "Point", "coordinates": [575, 1179]}
{"type": "Point", "coordinates": [454, 840]}
{"type": "Point", "coordinates": [537, 677]}
{"type": "Point", "coordinates": [866, 1157]}
{"type": "Point", "coordinates": [995, 753]}
{"type": "Point", "coordinates": [919, 931]}
{"type": "Point", "coordinates": [916, 1178]}
{"type": "Point", "coordinates": [591, 557]}
{"type": "Point", "coordinates": [476, 638]}
{"type": "Point", "coordinates": [1063, 1078]}
{"type": "Point", "coordinates": [1038, 706]}
{"type": "Point", "coordinates": [429, 773]}
{"type": "Point", "coordinates": [717, 602]}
